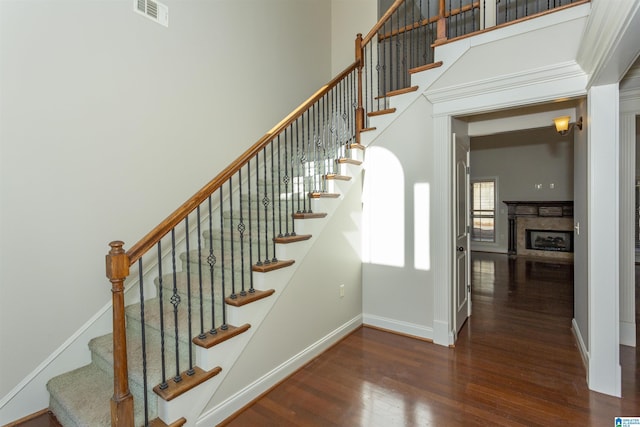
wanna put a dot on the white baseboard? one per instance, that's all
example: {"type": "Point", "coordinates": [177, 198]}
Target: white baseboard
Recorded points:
{"type": "Point", "coordinates": [584, 352]}
{"type": "Point", "coordinates": [252, 391]}
{"type": "Point", "coordinates": [405, 328]}
{"type": "Point", "coordinates": [628, 334]}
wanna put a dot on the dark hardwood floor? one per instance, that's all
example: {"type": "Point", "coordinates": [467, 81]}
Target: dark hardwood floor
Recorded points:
{"type": "Point", "coordinates": [515, 364]}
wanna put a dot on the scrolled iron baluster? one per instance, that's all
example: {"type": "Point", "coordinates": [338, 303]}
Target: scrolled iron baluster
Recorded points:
{"type": "Point", "coordinates": [241, 229]}
{"type": "Point", "coordinates": [259, 263]}
{"type": "Point", "coordinates": [175, 301]}
{"type": "Point", "coordinates": [231, 238]}
{"type": "Point", "coordinates": [279, 190]}
{"type": "Point", "coordinates": [285, 180]}
{"type": "Point", "coordinates": [212, 260]}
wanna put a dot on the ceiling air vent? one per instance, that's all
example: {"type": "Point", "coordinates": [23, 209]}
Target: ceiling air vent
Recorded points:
{"type": "Point", "coordinates": [153, 10]}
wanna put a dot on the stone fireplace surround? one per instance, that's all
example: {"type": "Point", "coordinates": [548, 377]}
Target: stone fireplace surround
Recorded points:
{"type": "Point", "coordinates": [538, 215]}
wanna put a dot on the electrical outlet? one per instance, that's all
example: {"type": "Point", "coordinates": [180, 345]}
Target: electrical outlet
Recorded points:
{"type": "Point", "coordinates": [341, 291]}
{"type": "Point", "coordinates": [552, 186]}
{"type": "Point", "coordinates": [538, 186]}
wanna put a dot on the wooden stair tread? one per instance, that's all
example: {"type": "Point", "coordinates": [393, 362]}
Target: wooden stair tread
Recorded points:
{"type": "Point", "coordinates": [292, 238]}
{"type": "Point", "coordinates": [322, 195]}
{"type": "Point", "coordinates": [349, 161]}
{"type": "Point", "coordinates": [159, 423]}
{"type": "Point", "coordinates": [425, 67]}
{"type": "Point", "coordinates": [356, 146]}
{"type": "Point", "coordinates": [273, 265]}
{"type": "Point", "coordinates": [337, 177]}
{"type": "Point", "coordinates": [309, 215]}
{"type": "Point", "coordinates": [399, 91]}
{"type": "Point", "coordinates": [367, 130]}
{"type": "Point", "coordinates": [249, 297]}
{"type": "Point", "coordinates": [175, 389]}
{"type": "Point", "coordinates": [220, 336]}
{"type": "Point", "coordinates": [381, 112]}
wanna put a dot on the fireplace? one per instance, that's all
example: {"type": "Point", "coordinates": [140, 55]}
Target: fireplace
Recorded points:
{"type": "Point", "coordinates": [549, 240]}
{"type": "Point", "coordinates": [541, 229]}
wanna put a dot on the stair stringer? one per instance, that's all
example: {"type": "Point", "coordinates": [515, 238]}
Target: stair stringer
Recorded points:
{"type": "Point", "coordinates": [190, 405]}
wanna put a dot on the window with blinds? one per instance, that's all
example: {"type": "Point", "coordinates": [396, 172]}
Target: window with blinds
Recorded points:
{"type": "Point", "coordinates": [483, 210]}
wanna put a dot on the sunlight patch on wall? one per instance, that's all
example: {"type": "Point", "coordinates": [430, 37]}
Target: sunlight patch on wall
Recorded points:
{"type": "Point", "coordinates": [383, 209]}
{"type": "Point", "coordinates": [422, 254]}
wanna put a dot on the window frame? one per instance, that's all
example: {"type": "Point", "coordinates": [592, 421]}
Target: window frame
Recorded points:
{"type": "Point", "coordinates": [472, 237]}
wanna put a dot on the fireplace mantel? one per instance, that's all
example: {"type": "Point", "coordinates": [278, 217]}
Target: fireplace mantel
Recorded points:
{"type": "Point", "coordinates": [534, 209]}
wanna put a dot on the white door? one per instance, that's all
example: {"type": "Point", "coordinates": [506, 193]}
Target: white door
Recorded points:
{"type": "Point", "coordinates": [462, 290]}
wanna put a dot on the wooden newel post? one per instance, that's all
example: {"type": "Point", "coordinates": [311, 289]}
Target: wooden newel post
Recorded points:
{"type": "Point", "coordinates": [122, 400]}
{"type": "Point", "coordinates": [441, 28]}
{"type": "Point", "coordinates": [360, 108]}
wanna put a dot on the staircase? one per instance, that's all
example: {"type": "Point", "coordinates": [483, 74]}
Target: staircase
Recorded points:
{"type": "Point", "coordinates": [203, 281]}
{"type": "Point", "coordinates": [81, 397]}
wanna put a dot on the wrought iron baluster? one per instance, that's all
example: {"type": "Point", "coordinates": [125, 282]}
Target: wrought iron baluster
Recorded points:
{"type": "Point", "coordinates": [303, 159]}
{"type": "Point", "coordinates": [292, 161]}
{"type": "Point", "coordinates": [198, 217]}
{"type": "Point", "coordinates": [175, 301]}
{"type": "Point", "coordinates": [405, 71]}
{"type": "Point", "coordinates": [144, 344]}
{"type": "Point", "coordinates": [265, 203]}
{"type": "Point", "coordinates": [369, 91]}
{"type": "Point", "coordinates": [212, 260]}
{"type": "Point", "coordinates": [190, 371]}
{"type": "Point", "coordinates": [163, 384]}
{"type": "Point", "coordinates": [279, 190]}
{"type": "Point", "coordinates": [308, 148]}
{"type": "Point", "coordinates": [381, 49]}
{"type": "Point", "coordinates": [258, 206]}
{"type": "Point", "coordinates": [222, 263]}
{"type": "Point", "coordinates": [241, 229]}
{"type": "Point", "coordinates": [316, 126]}
{"type": "Point", "coordinates": [251, 290]}
{"type": "Point", "coordinates": [354, 103]}
{"type": "Point", "coordinates": [394, 64]}
{"type": "Point", "coordinates": [231, 238]}
{"type": "Point", "coordinates": [273, 203]}
{"type": "Point", "coordinates": [285, 180]}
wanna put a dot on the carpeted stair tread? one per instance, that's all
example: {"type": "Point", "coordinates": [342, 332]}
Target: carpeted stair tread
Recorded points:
{"type": "Point", "coordinates": [82, 397]}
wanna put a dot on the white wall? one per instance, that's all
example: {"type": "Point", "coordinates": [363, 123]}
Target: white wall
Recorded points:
{"type": "Point", "coordinates": [518, 161]}
{"type": "Point", "coordinates": [348, 18]}
{"type": "Point", "coordinates": [400, 297]}
{"type": "Point", "coordinates": [110, 121]}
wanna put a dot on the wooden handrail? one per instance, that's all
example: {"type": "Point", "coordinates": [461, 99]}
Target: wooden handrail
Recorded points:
{"type": "Point", "coordinates": [381, 22]}
{"type": "Point", "coordinates": [154, 236]}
